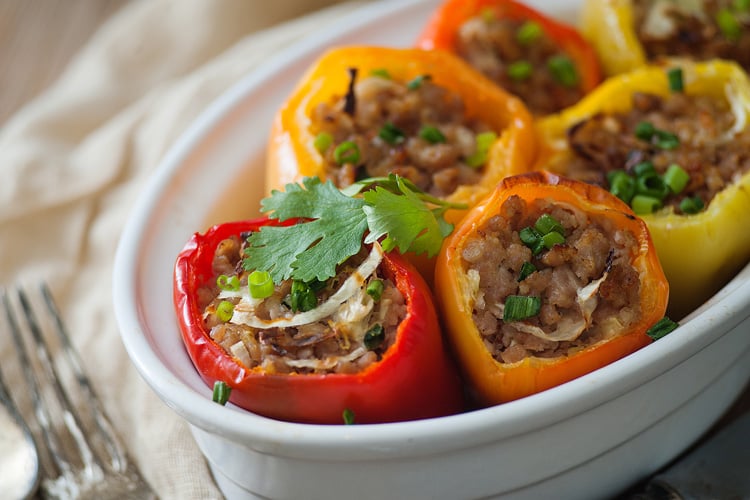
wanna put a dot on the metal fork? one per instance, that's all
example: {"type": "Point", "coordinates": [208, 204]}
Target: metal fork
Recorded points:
{"type": "Point", "coordinates": [85, 458]}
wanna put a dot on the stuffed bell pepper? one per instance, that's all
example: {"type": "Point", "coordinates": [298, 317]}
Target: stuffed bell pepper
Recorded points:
{"type": "Point", "coordinates": [364, 112]}
{"type": "Point", "coordinates": [630, 33]}
{"type": "Point", "coordinates": [546, 280]}
{"type": "Point", "coordinates": [308, 316]}
{"type": "Point", "coordinates": [674, 143]}
{"type": "Point", "coordinates": [545, 62]}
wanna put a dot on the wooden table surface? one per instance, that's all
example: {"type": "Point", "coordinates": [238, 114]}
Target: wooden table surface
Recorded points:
{"type": "Point", "coordinates": [39, 37]}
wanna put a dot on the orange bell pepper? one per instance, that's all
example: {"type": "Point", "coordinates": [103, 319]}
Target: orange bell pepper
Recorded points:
{"type": "Point", "coordinates": [293, 156]}
{"type": "Point", "coordinates": [441, 32]}
{"type": "Point", "coordinates": [494, 381]}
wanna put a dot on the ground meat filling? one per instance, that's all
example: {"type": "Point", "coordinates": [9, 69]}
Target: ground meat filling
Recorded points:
{"type": "Point", "coordinates": [347, 341]}
{"type": "Point", "coordinates": [698, 29]}
{"type": "Point", "coordinates": [417, 129]}
{"type": "Point", "coordinates": [525, 65]}
{"type": "Point", "coordinates": [588, 288]}
{"type": "Point", "coordinates": [708, 148]}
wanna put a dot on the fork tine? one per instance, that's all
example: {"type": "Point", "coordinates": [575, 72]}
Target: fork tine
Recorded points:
{"type": "Point", "coordinates": [61, 455]}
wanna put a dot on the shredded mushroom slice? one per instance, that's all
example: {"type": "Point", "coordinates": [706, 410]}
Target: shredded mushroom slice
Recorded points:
{"type": "Point", "coordinates": [244, 311]}
{"type": "Point", "coordinates": [571, 328]}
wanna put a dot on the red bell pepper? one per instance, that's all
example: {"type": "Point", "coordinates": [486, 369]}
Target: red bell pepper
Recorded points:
{"type": "Point", "coordinates": [414, 379]}
{"type": "Point", "coordinates": [441, 33]}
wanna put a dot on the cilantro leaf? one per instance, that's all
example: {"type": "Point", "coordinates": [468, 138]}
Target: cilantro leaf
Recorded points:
{"type": "Point", "coordinates": [311, 250]}
{"type": "Point", "coordinates": [407, 223]}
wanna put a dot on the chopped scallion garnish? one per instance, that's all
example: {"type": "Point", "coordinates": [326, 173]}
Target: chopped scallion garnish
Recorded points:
{"type": "Point", "coordinates": [391, 134]}
{"type": "Point", "coordinates": [322, 142]}
{"type": "Point", "coordinates": [302, 297]}
{"type": "Point", "coordinates": [676, 178]}
{"type": "Point", "coordinates": [563, 70]}
{"type": "Point", "coordinates": [532, 239]}
{"type": "Point", "coordinates": [652, 185]}
{"type": "Point", "coordinates": [643, 204]}
{"type": "Point", "coordinates": [520, 70]}
{"type": "Point", "coordinates": [728, 24]}
{"type": "Point", "coordinates": [674, 76]}
{"type": "Point", "coordinates": [381, 73]}
{"type": "Point", "coordinates": [520, 307]}
{"type": "Point", "coordinates": [529, 32]}
{"type": "Point", "coordinates": [221, 392]}
{"type": "Point", "coordinates": [348, 416]}
{"type": "Point", "coordinates": [375, 289]}
{"type": "Point", "coordinates": [224, 311]}
{"type": "Point", "coordinates": [228, 283]}
{"type": "Point", "coordinates": [260, 285]}
{"type": "Point", "coordinates": [484, 142]}
{"type": "Point", "coordinates": [621, 185]}
{"type": "Point", "coordinates": [646, 131]}
{"type": "Point", "coordinates": [374, 336]}
{"type": "Point", "coordinates": [552, 238]}
{"type": "Point", "coordinates": [346, 152]}
{"type": "Point", "coordinates": [546, 224]}
{"type": "Point", "coordinates": [661, 328]}
{"type": "Point", "coordinates": [527, 268]}
{"type": "Point", "coordinates": [417, 82]}
{"type": "Point", "coordinates": [691, 205]}
{"type": "Point", "coordinates": [431, 134]}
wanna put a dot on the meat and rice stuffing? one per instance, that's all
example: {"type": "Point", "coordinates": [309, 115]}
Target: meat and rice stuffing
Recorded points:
{"type": "Point", "coordinates": [550, 279]}
{"type": "Point", "coordinates": [417, 129]}
{"type": "Point", "coordinates": [698, 134]}
{"type": "Point", "coordinates": [303, 328]}
{"type": "Point", "coordinates": [522, 59]}
{"type": "Point", "coordinates": [698, 29]}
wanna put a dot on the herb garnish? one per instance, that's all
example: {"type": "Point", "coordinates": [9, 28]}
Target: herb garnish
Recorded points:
{"type": "Point", "coordinates": [390, 209]}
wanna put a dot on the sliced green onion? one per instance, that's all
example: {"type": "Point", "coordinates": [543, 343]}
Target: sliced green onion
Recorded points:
{"type": "Point", "coordinates": [645, 131]}
{"type": "Point", "coordinates": [530, 237]}
{"type": "Point", "coordinates": [529, 32]}
{"type": "Point", "coordinates": [374, 337]}
{"type": "Point", "coordinates": [563, 70]}
{"type": "Point", "coordinates": [484, 142]}
{"type": "Point", "coordinates": [728, 24]}
{"type": "Point", "coordinates": [375, 289]}
{"type": "Point", "coordinates": [348, 416]}
{"type": "Point", "coordinates": [224, 311]}
{"type": "Point", "coordinates": [676, 83]}
{"type": "Point", "coordinates": [621, 185]}
{"type": "Point", "coordinates": [322, 142]}
{"type": "Point", "coordinates": [221, 392]}
{"type": "Point", "coordinates": [431, 134]}
{"type": "Point", "coordinates": [551, 239]}
{"type": "Point", "coordinates": [642, 204]}
{"type": "Point", "coordinates": [519, 307]}
{"type": "Point", "coordinates": [520, 70]}
{"type": "Point", "coordinates": [676, 178]}
{"type": "Point", "coordinates": [417, 82]}
{"type": "Point", "coordinates": [527, 268]}
{"type": "Point", "coordinates": [260, 284]}
{"type": "Point", "coordinates": [381, 73]}
{"type": "Point", "coordinates": [302, 297]}
{"type": "Point", "coordinates": [652, 185]}
{"type": "Point", "coordinates": [391, 134]}
{"type": "Point", "coordinates": [644, 168]}
{"type": "Point", "coordinates": [666, 140]}
{"type": "Point", "coordinates": [661, 328]}
{"type": "Point", "coordinates": [691, 205]}
{"type": "Point", "coordinates": [546, 224]}
{"type": "Point", "coordinates": [488, 15]}
{"type": "Point", "coordinates": [346, 152]}
{"type": "Point", "coordinates": [228, 283]}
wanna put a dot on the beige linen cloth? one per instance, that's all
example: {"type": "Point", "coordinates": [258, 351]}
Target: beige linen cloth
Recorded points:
{"type": "Point", "coordinates": [74, 160]}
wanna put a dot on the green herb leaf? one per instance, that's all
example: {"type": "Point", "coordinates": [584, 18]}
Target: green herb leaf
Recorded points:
{"type": "Point", "coordinates": [661, 328]}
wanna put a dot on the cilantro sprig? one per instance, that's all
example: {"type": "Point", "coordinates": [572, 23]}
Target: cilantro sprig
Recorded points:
{"type": "Point", "coordinates": [337, 222]}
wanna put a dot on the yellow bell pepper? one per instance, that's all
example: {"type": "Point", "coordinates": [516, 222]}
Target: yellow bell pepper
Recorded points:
{"type": "Point", "coordinates": [608, 26]}
{"type": "Point", "coordinates": [292, 155]}
{"type": "Point", "coordinates": [700, 252]}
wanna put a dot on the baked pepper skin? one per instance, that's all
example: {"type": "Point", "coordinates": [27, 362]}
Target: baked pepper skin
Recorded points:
{"type": "Point", "coordinates": [494, 382]}
{"type": "Point", "coordinates": [415, 379]}
{"type": "Point", "coordinates": [700, 252]}
{"type": "Point", "coordinates": [292, 156]}
{"type": "Point", "coordinates": [440, 32]}
{"type": "Point", "coordinates": [609, 26]}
